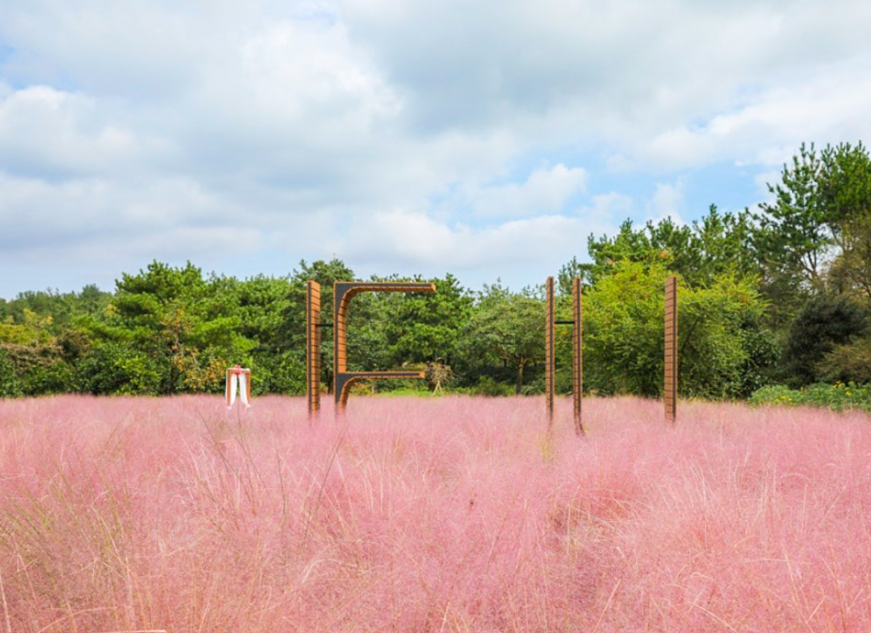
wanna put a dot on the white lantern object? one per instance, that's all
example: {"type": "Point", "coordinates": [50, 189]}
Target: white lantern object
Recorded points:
{"type": "Point", "coordinates": [240, 377]}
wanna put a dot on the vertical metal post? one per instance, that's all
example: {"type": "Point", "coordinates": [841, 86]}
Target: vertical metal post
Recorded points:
{"type": "Point", "coordinates": [313, 346]}
{"type": "Point", "coordinates": [671, 359]}
{"type": "Point", "coordinates": [549, 355]}
{"type": "Point", "coordinates": [577, 353]}
{"type": "Point", "coordinates": [340, 345]}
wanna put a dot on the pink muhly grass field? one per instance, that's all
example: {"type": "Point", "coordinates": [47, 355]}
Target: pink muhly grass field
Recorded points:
{"type": "Point", "coordinates": [449, 514]}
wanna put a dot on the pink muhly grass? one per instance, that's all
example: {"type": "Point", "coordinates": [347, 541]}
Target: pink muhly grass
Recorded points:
{"type": "Point", "coordinates": [448, 514]}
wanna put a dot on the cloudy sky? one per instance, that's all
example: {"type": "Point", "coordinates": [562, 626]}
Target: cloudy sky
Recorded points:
{"type": "Point", "coordinates": [485, 138]}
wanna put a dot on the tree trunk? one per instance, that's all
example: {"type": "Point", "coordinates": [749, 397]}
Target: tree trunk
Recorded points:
{"type": "Point", "coordinates": [519, 387]}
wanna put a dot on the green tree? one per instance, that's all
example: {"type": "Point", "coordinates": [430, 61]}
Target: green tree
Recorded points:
{"type": "Point", "coordinates": [181, 322]}
{"type": "Point", "coordinates": [818, 223]}
{"type": "Point", "coordinates": [32, 349]}
{"type": "Point", "coordinates": [794, 234]}
{"type": "Point", "coordinates": [845, 194]}
{"type": "Point", "coordinates": [825, 323]}
{"type": "Point", "coordinates": [623, 333]}
{"type": "Point", "coordinates": [421, 328]}
{"type": "Point", "coordinates": [116, 367]}
{"type": "Point", "coordinates": [715, 244]}
{"type": "Point", "coordinates": [10, 386]}
{"type": "Point", "coordinates": [505, 331]}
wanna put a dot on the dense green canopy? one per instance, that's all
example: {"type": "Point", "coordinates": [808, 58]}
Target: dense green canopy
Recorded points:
{"type": "Point", "coordinates": [778, 295]}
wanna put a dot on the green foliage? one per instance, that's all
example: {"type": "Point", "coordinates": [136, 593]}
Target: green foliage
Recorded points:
{"type": "Point", "coordinates": [623, 334]}
{"type": "Point", "coordinates": [716, 244]}
{"type": "Point", "coordinates": [488, 386]}
{"type": "Point", "coordinates": [838, 396]}
{"type": "Point", "coordinates": [279, 372]}
{"type": "Point", "coordinates": [816, 235]}
{"type": "Point", "coordinates": [420, 328]}
{"type": "Point", "coordinates": [794, 233]}
{"type": "Point", "coordinates": [117, 368]}
{"type": "Point", "coordinates": [848, 362]}
{"type": "Point", "coordinates": [623, 330]}
{"type": "Point", "coordinates": [780, 295]}
{"type": "Point", "coordinates": [10, 386]}
{"type": "Point", "coordinates": [34, 354]}
{"type": "Point", "coordinates": [504, 335]}
{"type": "Point", "coordinates": [188, 327]}
{"type": "Point", "coordinates": [826, 321]}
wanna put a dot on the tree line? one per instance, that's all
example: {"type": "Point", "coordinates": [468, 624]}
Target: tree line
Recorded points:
{"type": "Point", "coordinates": [780, 294]}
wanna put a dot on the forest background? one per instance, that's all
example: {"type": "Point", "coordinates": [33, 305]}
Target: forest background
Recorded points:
{"type": "Point", "coordinates": [778, 295]}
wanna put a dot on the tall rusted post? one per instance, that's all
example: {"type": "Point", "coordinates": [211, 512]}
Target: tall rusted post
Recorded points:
{"type": "Point", "coordinates": [313, 346]}
{"type": "Point", "coordinates": [671, 359]}
{"type": "Point", "coordinates": [577, 353]}
{"type": "Point", "coordinates": [549, 355]}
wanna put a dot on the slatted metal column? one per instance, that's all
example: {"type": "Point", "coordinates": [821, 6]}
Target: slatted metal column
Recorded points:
{"type": "Point", "coordinates": [577, 353]}
{"type": "Point", "coordinates": [549, 352]}
{"type": "Point", "coordinates": [313, 346]}
{"type": "Point", "coordinates": [671, 359]}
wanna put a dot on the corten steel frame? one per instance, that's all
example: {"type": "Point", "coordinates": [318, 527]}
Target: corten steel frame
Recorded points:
{"type": "Point", "coordinates": [549, 352]}
{"type": "Point", "coordinates": [313, 346]}
{"type": "Point", "coordinates": [577, 352]}
{"type": "Point", "coordinates": [343, 292]}
{"type": "Point", "coordinates": [671, 359]}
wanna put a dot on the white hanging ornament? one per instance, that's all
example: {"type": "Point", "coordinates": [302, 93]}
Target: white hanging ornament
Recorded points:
{"type": "Point", "coordinates": [241, 377]}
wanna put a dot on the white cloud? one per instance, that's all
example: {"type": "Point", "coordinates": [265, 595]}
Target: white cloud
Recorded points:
{"type": "Point", "coordinates": [124, 127]}
{"type": "Point", "coordinates": [545, 190]}
{"type": "Point", "coordinates": [421, 243]}
{"type": "Point", "coordinates": [831, 106]}
{"type": "Point", "coordinates": [667, 202]}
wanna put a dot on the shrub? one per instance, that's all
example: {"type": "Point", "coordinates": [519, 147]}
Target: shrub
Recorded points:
{"type": "Point", "coordinates": [839, 396]}
{"type": "Point", "coordinates": [826, 321]}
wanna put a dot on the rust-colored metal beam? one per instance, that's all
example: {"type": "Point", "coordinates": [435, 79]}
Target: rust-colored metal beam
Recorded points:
{"type": "Point", "coordinates": [577, 353]}
{"type": "Point", "coordinates": [549, 352]}
{"type": "Point", "coordinates": [346, 379]}
{"type": "Point", "coordinates": [671, 353]}
{"type": "Point", "coordinates": [313, 346]}
{"type": "Point", "coordinates": [343, 292]}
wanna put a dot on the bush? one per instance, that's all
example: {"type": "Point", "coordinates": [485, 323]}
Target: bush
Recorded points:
{"type": "Point", "coordinates": [114, 368]}
{"type": "Point", "coordinates": [838, 396]}
{"type": "Point", "coordinates": [723, 353]}
{"type": "Point", "coordinates": [824, 323]}
{"type": "Point", "coordinates": [487, 386]}
{"type": "Point", "coordinates": [55, 378]}
{"type": "Point", "coordinates": [10, 386]}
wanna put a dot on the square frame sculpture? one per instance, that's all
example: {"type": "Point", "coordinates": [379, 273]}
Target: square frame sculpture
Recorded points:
{"type": "Point", "coordinates": [343, 292]}
{"type": "Point", "coordinates": [577, 351]}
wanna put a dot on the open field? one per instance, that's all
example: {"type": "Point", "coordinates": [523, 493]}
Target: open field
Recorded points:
{"type": "Point", "coordinates": [446, 514]}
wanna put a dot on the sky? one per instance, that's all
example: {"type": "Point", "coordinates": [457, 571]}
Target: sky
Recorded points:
{"type": "Point", "coordinates": [485, 138]}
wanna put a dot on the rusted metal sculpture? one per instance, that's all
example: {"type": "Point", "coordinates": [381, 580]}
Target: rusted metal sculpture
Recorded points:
{"type": "Point", "coordinates": [671, 360]}
{"type": "Point", "coordinates": [549, 351]}
{"type": "Point", "coordinates": [313, 346]}
{"type": "Point", "coordinates": [577, 352]}
{"type": "Point", "coordinates": [343, 292]}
